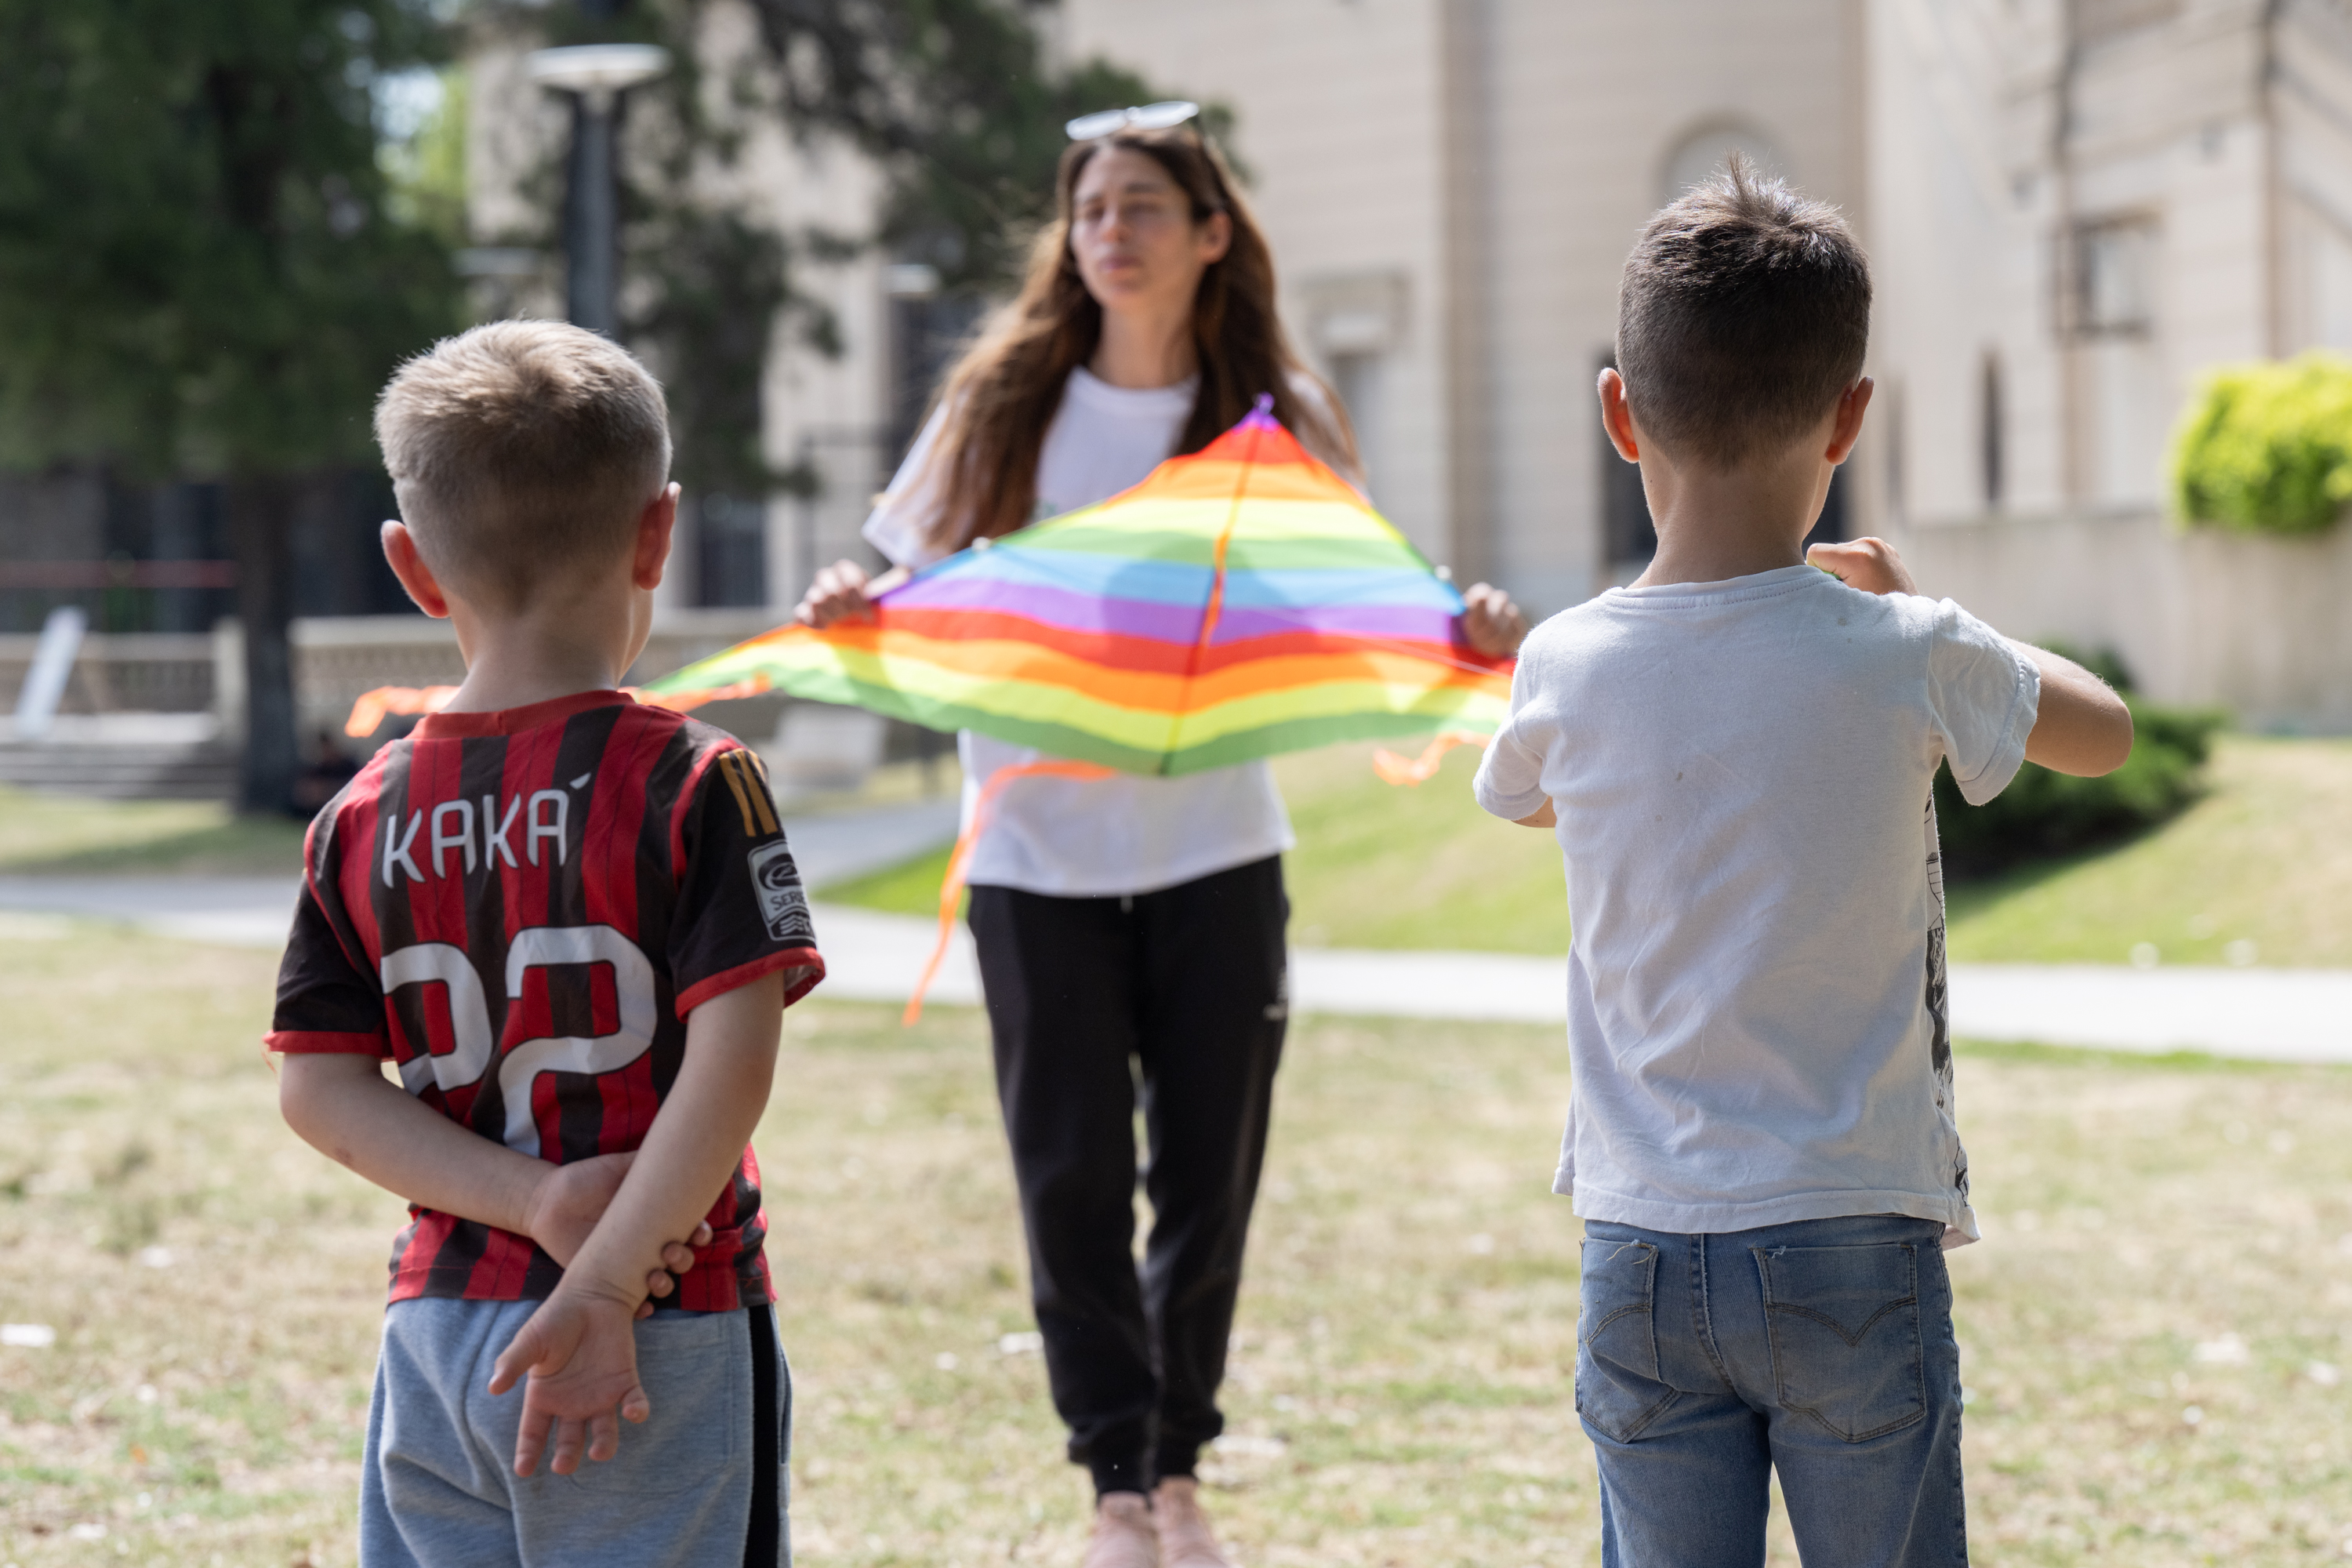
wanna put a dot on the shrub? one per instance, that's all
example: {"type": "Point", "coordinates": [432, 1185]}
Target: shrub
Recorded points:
{"type": "Point", "coordinates": [2043, 814]}
{"type": "Point", "coordinates": [2267, 446]}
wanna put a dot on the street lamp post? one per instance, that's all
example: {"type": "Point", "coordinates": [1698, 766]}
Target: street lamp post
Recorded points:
{"type": "Point", "coordinates": [594, 76]}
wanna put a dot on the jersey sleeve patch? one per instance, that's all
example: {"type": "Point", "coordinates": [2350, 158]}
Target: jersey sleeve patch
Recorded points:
{"type": "Point", "coordinates": [783, 903]}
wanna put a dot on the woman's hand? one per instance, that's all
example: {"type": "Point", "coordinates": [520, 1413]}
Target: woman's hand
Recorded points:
{"type": "Point", "coordinates": [839, 593]}
{"type": "Point", "coordinates": [843, 591]}
{"type": "Point", "coordinates": [1491, 622]}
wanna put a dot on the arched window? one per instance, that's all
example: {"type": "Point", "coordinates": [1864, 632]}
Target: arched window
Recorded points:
{"type": "Point", "coordinates": [1703, 152]}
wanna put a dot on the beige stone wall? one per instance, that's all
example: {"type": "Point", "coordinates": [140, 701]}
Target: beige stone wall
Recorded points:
{"type": "Point", "coordinates": [2252, 624]}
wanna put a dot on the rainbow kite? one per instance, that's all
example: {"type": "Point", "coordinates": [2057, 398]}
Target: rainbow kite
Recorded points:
{"type": "Point", "coordinates": [1242, 601]}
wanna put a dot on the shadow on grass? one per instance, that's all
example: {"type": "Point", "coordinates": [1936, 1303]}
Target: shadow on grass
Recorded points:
{"type": "Point", "coordinates": [2029, 1052]}
{"type": "Point", "coordinates": [1971, 891]}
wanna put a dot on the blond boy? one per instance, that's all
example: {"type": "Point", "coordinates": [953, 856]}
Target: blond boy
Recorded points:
{"type": "Point", "coordinates": [571, 924]}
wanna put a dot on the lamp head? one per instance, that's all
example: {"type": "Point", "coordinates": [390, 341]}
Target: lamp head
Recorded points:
{"type": "Point", "coordinates": [597, 72]}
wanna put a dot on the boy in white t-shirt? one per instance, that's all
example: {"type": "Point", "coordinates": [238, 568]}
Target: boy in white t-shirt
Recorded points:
{"type": "Point", "coordinates": [1736, 754]}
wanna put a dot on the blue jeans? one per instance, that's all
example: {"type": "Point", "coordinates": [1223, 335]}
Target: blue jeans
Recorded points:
{"type": "Point", "coordinates": [1822, 1349]}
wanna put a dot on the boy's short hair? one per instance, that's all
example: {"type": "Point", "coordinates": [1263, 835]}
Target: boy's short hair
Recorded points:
{"type": "Point", "coordinates": [1743, 316]}
{"type": "Point", "coordinates": [520, 450]}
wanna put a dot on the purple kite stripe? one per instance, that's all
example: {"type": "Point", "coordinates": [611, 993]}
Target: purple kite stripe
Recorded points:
{"type": "Point", "coordinates": [1404, 623]}
{"type": "Point", "coordinates": [1055, 607]}
{"type": "Point", "coordinates": [1179, 624]}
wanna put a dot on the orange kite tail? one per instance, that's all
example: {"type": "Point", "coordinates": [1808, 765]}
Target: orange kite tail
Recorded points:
{"type": "Point", "coordinates": [1397, 770]}
{"type": "Point", "coordinates": [951, 885]}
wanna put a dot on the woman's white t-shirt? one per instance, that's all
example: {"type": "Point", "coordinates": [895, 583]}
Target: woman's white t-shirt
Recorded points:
{"type": "Point", "coordinates": [1127, 832]}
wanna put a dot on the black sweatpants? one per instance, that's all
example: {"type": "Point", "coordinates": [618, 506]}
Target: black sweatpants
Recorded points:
{"type": "Point", "coordinates": [1182, 993]}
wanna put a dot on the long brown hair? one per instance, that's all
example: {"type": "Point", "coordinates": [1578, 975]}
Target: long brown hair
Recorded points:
{"type": "Point", "coordinates": [1003, 394]}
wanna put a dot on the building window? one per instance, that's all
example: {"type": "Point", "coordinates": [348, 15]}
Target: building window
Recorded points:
{"type": "Point", "coordinates": [732, 541]}
{"type": "Point", "coordinates": [1990, 453]}
{"type": "Point", "coordinates": [1704, 152]}
{"type": "Point", "coordinates": [2114, 283]}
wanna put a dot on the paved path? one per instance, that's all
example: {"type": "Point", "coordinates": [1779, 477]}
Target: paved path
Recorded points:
{"type": "Point", "coordinates": [2261, 1014]}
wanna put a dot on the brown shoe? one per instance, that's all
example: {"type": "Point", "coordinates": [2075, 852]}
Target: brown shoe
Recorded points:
{"type": "Point", "coordinates": [1122, 1537]}
{"type": "Point", "coordinates": [1184, 1538]}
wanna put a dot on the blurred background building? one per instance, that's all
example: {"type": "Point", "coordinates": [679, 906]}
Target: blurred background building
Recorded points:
{"type": "Point", "coordinates": [2074, 207]}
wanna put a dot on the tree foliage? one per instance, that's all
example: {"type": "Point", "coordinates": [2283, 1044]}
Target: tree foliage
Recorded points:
{"type": "Point", "coordinates": [198, 273]}
{"type": "Point", "coordinates": [956, 101]}
{"type": "Point", "coordinates": [2266, 447]}
{"type": "Point", "coordinates": [2043, 814]}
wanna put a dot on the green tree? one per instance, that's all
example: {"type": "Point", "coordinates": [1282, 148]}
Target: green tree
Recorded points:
{"type": "Point", "coordinates": [956, 101]}
{"type": "Point", "coordinates": [200, 272]}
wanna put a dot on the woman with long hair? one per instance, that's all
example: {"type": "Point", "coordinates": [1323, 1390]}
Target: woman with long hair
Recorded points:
{"type": "Point", "coordinates": [1129, 929]}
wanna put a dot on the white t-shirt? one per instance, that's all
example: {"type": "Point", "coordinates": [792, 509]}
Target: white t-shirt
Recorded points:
{"type": "Point", "coordinates": [1756, 987]}
{"type": "Point", "coordinates": [1092, 838]}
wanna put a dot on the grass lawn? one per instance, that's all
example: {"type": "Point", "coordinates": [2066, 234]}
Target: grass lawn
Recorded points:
{"type": "Point", "coordinates": [2149, 1332]}
{"type": "Point", "coordinates": [2266, 856]}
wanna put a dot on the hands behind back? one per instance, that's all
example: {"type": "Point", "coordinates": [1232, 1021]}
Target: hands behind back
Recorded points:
{"type": "Point", "coordinates": [577, 1360]}
{"type": "Point", "coordinates": [573, 1197]}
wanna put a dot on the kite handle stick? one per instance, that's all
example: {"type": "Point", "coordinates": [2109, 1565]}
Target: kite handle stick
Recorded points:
{"type": "Point", "coordinates": [1397, 770]}
{"type": "Point", "coordinates": [951, 885]}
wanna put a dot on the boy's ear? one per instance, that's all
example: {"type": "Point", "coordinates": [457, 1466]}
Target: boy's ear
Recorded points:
{"type": "Point", "coordinates": [407, 564]}
{"type": "Point", "coordinates": [1847, 428]}
{"type": "Point", "coordinates": [655, 525]}
{"type": "Point", "coordinates": [1617, 417]}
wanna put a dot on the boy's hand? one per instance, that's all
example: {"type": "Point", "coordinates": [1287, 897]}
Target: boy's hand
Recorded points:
{"type": "Point", "coordinates": [1491, 622]}
{"type": "Point", "coordinates": [1869, 564]}
{"type": "Point", "coordinates": [573, 1197]}
{"type": "Point", "coordinates": [579, 1351]}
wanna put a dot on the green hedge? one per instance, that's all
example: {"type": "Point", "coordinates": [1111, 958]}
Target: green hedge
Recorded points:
{"type": "Point", "coordinates": [2266, 447]}
{"type": "Point", "coordinates": [2042, 814]}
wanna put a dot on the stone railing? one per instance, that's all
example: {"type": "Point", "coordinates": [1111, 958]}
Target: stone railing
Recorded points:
{"type": "Point", "coordinates": [337, 658]}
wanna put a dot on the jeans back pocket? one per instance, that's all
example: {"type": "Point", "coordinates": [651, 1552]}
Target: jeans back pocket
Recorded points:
{"type": "Point", "coordinates": [1844, 1329]}
{"type": "Point", "coordinates": [1617, 1387]}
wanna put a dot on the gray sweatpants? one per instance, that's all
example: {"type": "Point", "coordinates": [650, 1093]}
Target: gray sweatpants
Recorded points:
{"type": "Point", "coordinates": [437, 1485]}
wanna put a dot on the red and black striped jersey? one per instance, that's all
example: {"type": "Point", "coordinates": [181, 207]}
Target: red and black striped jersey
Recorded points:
{"type": "Point", "coordinates": [519, 910]}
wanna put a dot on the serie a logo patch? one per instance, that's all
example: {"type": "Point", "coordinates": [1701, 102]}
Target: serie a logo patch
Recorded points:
{"type": "Point", "coordinates": [781, 901]}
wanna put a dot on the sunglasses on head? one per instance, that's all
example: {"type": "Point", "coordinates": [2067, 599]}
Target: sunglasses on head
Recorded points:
{"type": "Point", "coordinates": [1148, 117]}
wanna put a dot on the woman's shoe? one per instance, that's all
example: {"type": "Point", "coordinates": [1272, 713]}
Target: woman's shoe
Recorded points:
{"type": "Point", "coordinates": [1185, 1541]}
{"type": "Point", "coordinates": [1123, 1536]}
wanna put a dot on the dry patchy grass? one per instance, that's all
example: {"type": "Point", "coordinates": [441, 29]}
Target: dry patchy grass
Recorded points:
{"type": "Point", "coordinates": [67, 835]}
{"type": "Point", "coordinates": [2161, 1237]}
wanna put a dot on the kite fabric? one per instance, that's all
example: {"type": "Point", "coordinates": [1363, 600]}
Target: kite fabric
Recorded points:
{"type": "Point", "coordinates": [1242, 601]}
